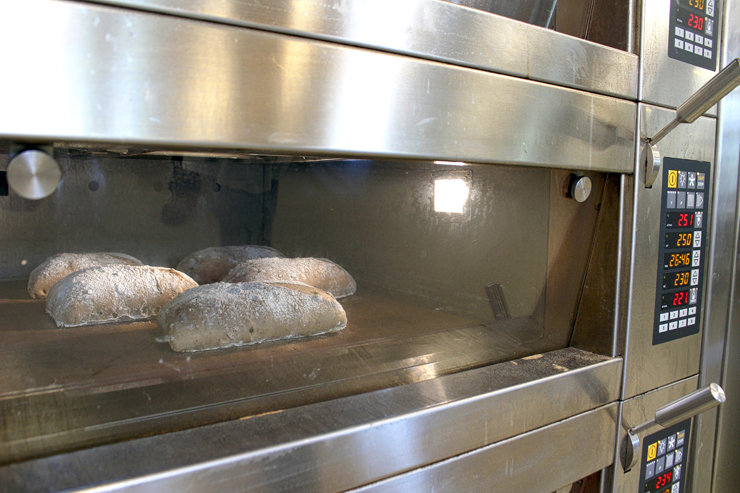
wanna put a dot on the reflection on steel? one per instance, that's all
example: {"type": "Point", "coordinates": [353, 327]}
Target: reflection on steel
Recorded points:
{"type": "Point", "coordinates": [348, 442]}
{"type": "Point", "coordinates": [145, 79]}
{"type": "Point", "coordinates": [580, 446]}
{"type": "Point", "coordinates": [429, 29]}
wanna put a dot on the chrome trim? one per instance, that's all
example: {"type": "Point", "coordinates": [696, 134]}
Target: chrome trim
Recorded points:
{"type": "Point", "coordinates": [348, 442]}
{"type": "Point", "coordinates": [429, 29]}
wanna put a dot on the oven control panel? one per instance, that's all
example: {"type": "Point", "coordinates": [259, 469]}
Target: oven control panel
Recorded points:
{"type": "Point", "coordinates": [682, 242]}
{"type": "Point", "coordinates": [664, 456]}
{"type": "Point", "coordinates": [694, 34]}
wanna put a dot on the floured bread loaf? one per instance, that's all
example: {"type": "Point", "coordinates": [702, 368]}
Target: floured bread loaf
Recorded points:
{"type": "Point", "coordinates": [114, 293]}
{"type": "Point", "coordinates": [223, 315]}
{"type": "Point", "coordinates": [53, 269]}
{"type": "Point", "coordinates": [212, 264]}
{"type": "Point", "coordinates": [318, 272]}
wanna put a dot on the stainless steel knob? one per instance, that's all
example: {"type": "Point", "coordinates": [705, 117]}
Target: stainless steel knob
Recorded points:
{"type": "Point", "coordinates": [33, 174]}
{"type": "Point", "coordinates": [687, 406]}
{"type": "Point", "coordinates": [580, 188]}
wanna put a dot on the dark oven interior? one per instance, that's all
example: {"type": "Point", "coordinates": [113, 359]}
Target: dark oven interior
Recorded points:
{"type": "Point", "coordinates": [457, 266]}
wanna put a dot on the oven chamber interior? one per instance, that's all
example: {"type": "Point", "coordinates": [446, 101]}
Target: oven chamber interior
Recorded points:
{"type": "Point", "coordinates": [510, 276]}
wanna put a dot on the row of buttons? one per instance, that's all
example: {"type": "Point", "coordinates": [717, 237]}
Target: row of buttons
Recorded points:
{"type": "Point", "coordinates": [685, 200]}
{"type": "Point", "coordinates": [686, 179]}
{"type": "Point", "coordinates": [696, 38]}
{"type": "Point", "coordinates": [664, 317]}
{"type": "Point", "coordinates": [695, 49]}
{"type": "Point", "coordinates": [678, 324]}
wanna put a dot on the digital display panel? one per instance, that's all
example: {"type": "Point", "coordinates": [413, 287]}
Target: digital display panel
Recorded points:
{"type": "Point", "coordinates": [662, 484]}
{"type": "Point", "coordinates": [696, 4]}
{"type": "Point", "coordinates": [690, 19]}
{"type": "Point", "coordinates": [678, 240]}
{"type": "Point", "coordinates": [673, 300]}
{"type": "Point", "coordinates": [676, 279]}
{"type": "Point", "coordinates": [673, 260]}
{"type": "Point", "coordinates": [679, 220]}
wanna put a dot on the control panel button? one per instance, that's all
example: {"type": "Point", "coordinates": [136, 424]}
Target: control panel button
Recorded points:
{"type": "Point", "coordinates": [698, 39]}
{"type": "Point", "coordinates": [674, 314]}
{"type": "Point", "coordinates": [683, 312]}
{"type": "Point", "coordinates": [663, 328]}
{"type": "Point", "coordinates": [691, 321]}
{"type": "Point", "coordinates": [707, 53]}
{"type": "Point", "coordinates": [671, 202]}
{"type": "Point", "coordinates": [689, 36]}
{"type": "Point", "coordinates": [692, 179]}
{"type": "Point", "coordinates": [679, 32]}
{"type": "Point", "coordinates": [708, 42]}
{"type": "Point", "coordinates": [692, 310]}
{"type": "Point", "coordinates": [690, 200]}
{"type": "Point", "coordinates": [697, 239]}
{"type": "Point", "coordinates": [688, 46]}
{"type": "Point", "coordinates": [664, 316]}
{"type": "Point", "coordinates": [682, 323]}
{"type": "Point", "coordinates": [696, 258]}
{"type": "Point", "coordinates": [678, 43]}
{"type": "Point", "coordinates": [673, 326]}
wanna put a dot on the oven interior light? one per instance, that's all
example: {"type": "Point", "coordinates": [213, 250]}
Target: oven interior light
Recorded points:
{"type": "Point", "coordinates": [450, 195]}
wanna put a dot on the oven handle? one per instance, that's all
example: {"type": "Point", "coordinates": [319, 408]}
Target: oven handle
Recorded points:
{"type": "Point", "coordinates": [718, 87]}
{"type": "Point", "coordinates": [687, 406]}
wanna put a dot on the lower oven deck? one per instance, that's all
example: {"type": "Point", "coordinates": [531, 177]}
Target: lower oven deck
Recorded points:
{"type": "Point", "coordinates": [75, 387]}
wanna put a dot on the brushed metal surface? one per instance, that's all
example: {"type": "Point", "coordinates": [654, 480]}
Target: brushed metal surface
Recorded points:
{"type": "Point", "coordinates": [429, 29]}
{"type": "Point", "coordinates": [639, 410]}
{"type": "Point", "coordinates": [726, 326]}
{"type": "Point", "coordinates": [344, 443]}
{"type": "Point", "coordinates": [517, 464]}
{"type": "Point", "coordinates": [33, 174]}
{"type": "Point", "coordinates": [715, 448]}
{"type": "Point", "coordinates": [129, 77]}
{"type": "Point", "coordinates": [663, 80]}
{"type": "Point", "coordinates": [647, 366]}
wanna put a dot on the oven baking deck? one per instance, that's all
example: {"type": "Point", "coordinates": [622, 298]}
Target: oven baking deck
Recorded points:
{"type": "Point", "coordinates": [75, 387]}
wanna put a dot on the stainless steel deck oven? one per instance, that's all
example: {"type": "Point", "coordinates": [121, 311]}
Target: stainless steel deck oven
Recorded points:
{"type": "Point", "coordinates": [483, 180]}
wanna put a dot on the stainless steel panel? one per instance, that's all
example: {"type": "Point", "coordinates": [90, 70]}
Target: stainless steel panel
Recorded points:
{"type": "Point", "coordinates": [647, 366]}
{"type": "Point", "coordinates": [639, 410]}
{"type": "Point", "coordinates": [573, 449]}
{"type": "Point", "coordinates": [720, 319]}
{"type": "Point", "coordinates": [663, 80]}
{"type": "Point", "coordinates": [726, 326]}
{"type": "Point", "coordinates": [344, 443]}
{"type": "Point", "coordinates": [128, 77]}
{"type": "Point", "coordinates": [428, 29]}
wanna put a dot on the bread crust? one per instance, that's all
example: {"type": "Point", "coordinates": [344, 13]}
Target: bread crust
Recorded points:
{"type": "Point", "coordinates": [114, 293]}
{"type": "Point", "coordinates": [223, 315]}
{"type": "Point", "coordinates": [212, 264]}
{"type": "Point", "coordinates": [318, 272]}
{"type": "Point", "coordinates": [59, 266]}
